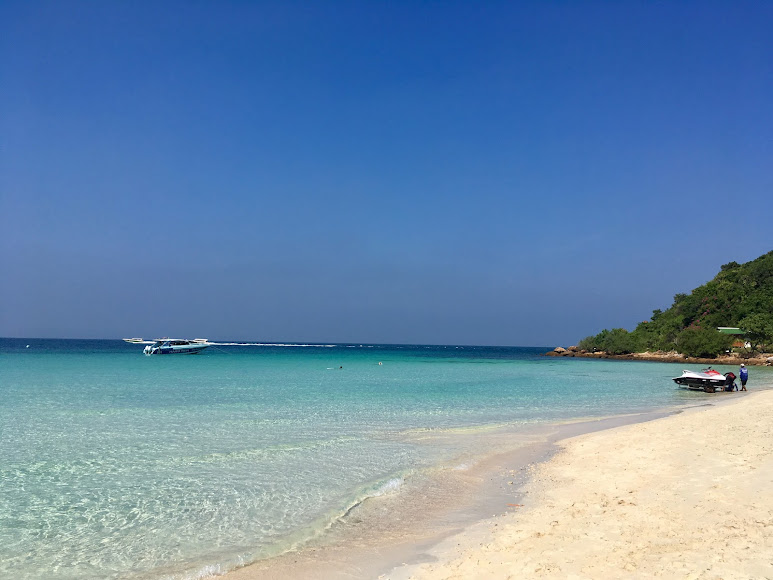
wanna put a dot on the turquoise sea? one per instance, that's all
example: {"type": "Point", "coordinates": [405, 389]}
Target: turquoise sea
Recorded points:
{"type": "Point", "coordinates": [118, 465]}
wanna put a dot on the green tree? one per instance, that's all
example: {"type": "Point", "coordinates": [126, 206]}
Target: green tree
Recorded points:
{"type": "Point", "coordinates": [702, 342]}
{"type": "Point", "coordinates": [589, 343]}
{"type": "Point", "coordinates": [619, 341]}
{"type": "Point", "coordinates": [758, 329]}
{"type": "Point", "coordinates": [615, 341]}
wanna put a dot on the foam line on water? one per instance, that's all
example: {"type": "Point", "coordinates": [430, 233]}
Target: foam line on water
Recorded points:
{"type": "Point", "coordinates": [272, 344]}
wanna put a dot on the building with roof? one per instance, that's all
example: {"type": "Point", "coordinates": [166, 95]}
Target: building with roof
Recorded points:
{"type": "Point", "coordinates": [732, 330]}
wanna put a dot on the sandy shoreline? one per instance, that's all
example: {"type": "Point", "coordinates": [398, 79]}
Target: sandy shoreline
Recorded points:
{"type": "Point", "coordinates": [687, 496]}
{"type": "Point", "coordinates": [407, 527]}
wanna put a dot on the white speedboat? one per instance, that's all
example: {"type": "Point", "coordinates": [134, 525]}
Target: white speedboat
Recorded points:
{"type": "Point", "coordinates": [176, 346]}
{"type": "Point", "coordinates": [707, 380]}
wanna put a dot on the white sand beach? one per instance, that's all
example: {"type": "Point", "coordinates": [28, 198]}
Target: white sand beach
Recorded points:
{"type": "Point", "coordinates": [687, 496]}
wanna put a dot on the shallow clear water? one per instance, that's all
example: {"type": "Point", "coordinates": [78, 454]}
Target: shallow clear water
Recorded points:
{"type": "Point", "coordinates": [118, 465]}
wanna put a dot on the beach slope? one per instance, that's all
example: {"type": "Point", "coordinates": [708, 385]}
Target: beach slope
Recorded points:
{"type": "Point", "coordinates": [688, 496]}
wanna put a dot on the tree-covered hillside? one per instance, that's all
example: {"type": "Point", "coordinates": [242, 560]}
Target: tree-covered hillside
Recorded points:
{"type": "Point", "coordinates": [740, 295]}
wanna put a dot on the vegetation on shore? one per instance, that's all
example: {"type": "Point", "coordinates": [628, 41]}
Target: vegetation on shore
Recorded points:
{"type": "Point", "coordinates": [740, 295]}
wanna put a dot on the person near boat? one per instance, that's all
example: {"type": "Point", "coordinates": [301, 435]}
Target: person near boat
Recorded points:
{"type": "Point", "coordinates": [730, 382]}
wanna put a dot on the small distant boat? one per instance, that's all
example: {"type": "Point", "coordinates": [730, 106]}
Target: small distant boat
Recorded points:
{"type": "Point", "coordinates": [134, 340]}
{"type": "Point", "coordinates": [707, 380]}
{"type": "Point", "coordinates": [176, 346]}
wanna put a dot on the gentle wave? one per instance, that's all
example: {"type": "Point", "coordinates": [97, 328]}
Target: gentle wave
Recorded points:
{"type": "Point", "coordinates": [271, 344]}
{"type": "Point", "coordinates": [312, 531]}
{"type": "Point", "coordinates": [381, 488]}
{"type": "Point", "coordinates": [264, 451]}
{"type": "Point", "coordinates": [389, 486]}
{"type": "Point", "coordinates": [118, 464]}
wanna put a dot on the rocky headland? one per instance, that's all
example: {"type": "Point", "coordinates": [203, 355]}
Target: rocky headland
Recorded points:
{"type": "Point", "coordinates": [758, 359]}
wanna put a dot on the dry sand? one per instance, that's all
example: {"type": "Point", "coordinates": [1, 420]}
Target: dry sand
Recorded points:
{"type": "Point", "coordinates": [688, 496]}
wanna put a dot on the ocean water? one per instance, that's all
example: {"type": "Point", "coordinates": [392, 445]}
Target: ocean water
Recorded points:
{"type": "Point", "coordinates": [118, 465]}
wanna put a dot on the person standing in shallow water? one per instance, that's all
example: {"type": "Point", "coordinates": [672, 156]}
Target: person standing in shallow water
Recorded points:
{"type": "Point", "coordinates": [744, 373]}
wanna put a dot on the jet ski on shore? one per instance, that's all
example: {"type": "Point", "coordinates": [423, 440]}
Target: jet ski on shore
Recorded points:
{"type": "Point", "coordinates": [707, 380]}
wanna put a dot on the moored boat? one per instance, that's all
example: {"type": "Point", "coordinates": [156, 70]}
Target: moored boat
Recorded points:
{"type": "Point", "coordinates": [707, 380]}
{"type": "Point", "coordinates": [176, 346]}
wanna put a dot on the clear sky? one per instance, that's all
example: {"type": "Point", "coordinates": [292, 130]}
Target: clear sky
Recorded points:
{"type": "Point", "coordinates": [516, 173]}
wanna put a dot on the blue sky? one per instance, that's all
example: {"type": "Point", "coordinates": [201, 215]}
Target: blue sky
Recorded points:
{"type": "Point", "coordinates": [516, 173]}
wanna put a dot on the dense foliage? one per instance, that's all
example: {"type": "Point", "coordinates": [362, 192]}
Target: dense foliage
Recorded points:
{"type": "Point", "coordinates": [739, 295]}
{"type": "Point", "coordinates": [707, 342]}
{"type": "Point", "coordinates": [615, 341]}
